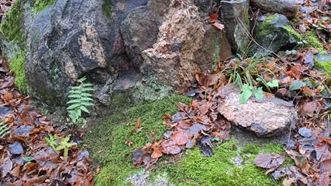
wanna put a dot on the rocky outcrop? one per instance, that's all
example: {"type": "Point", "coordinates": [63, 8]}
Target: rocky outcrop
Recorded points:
{"type": "Point", "coordinates": [142, 49]}
{"type": "Point", "coordinates": [269, 117]}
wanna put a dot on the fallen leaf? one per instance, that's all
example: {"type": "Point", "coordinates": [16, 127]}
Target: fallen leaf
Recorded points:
{"type": "Point", "coordinates": [180, 137]}
{"type": "Point", "coordinates": [138, 125]}
{"type": "Point", "coordinates": [269, 161]}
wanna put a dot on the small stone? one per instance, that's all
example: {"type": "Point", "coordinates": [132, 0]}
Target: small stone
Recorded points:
{"type": "Point", "coordinates": [267, 118]}
{"type": "Point", "coordinates": [16, 148]}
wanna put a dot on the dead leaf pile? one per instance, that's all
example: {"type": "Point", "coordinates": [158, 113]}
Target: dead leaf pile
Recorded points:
{"type": "Point", "coordinates": [198, 123]}
{"type": "Point", "coordinates": [25, 158]}
{"type": "Point", "coordinates": [316, 15]}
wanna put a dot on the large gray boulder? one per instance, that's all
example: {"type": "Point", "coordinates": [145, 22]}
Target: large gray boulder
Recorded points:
{"type": "Point", "coordinates": [74, 38]}
{"type": "Point", "coordinates": [130, 50]}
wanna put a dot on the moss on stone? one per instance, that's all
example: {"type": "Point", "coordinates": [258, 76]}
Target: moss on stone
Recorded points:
{"type": "Point", "coordinates": [296, 35]}
{"type": "Point", "coordinates": [11, 27]}
{"type": "Point", "coordinates": [324, 65]}
{"type": "Point", "coordinates": [40, 5]}
{"type": "Point", "coordinates": [267, 22]}
{"type": "Point", "coordinates": [106, 8]}
{"type": "Point", "coordinates": [16, 65]}
{"type": "Point", "coordinates": [108, 141]}
{"type": "Point", "coordinates": [313, 41]}
{"type": "Point", "coordinates": [220, 169]}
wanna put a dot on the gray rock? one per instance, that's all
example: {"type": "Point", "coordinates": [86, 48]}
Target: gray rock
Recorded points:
{"type": "Point", "coordinates": [273, 34]}
{"type": "Point", "coordinates": [75, 38]}
{"type": "Point", "coordinates": [269, 117]}
{"type": "Point", "coordinates": [130, 50]}
{"type": "Point", "coordinates": [143, 178]}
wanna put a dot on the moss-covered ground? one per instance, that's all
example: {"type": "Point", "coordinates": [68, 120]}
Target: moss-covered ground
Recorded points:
{"type": "Point", "coordinates": [112, 142]}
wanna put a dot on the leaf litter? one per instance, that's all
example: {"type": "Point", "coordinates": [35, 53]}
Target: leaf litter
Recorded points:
{"type": "Point", "coordinates": [25, 158]}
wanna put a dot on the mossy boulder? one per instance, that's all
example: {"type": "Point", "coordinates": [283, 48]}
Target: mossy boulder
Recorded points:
{"type": "Point", "coordinates": [273, 34]}
{"type": "Point", "coordinates": [113, 141]}
{"type": "Point", "coordinates": [323, 61]}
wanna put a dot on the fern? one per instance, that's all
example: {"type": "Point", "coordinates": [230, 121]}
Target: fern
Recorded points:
{"type": "Point", "coordinates": [80, 100]}
{"type": "Point", "coordinates": [4, 130]}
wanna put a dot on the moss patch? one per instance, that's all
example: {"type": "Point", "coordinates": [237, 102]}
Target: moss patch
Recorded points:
{"type": "Point", "coordinates": [313, 41]}
{"type": "Point", "coordinates": [220, 169]}
{"type": "Point", "coordinates": [40, 5]}
{"type": "Point", "coordinates": [323, 61]}
{"type": "Point", "coordinates": [106, 8]}
{"type": "Point", "coordinates": [113, 141]}
{"type": "Point", "coordinates": [297, 36]}
{"type": "Point", "coordinates": [16, 65]}
{"type": "Point", "coordinates": [11, 27]}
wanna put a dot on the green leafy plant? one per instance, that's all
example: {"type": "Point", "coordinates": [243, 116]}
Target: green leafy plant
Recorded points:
{"type": "Point", "coordinates": [80, 100]}
{"type": "Point", "coordinates": [246, 75]}
{"type": "Point", "coordinates": [60, 144]}
{"type": "Point", "coordinates": [4, 130]}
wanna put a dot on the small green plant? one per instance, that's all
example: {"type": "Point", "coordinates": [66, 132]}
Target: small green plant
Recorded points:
{"type": "Point", "coordinates": [4, 130]}
{"type": "Point", "coordinates": [60, 144]}
{"type": "Point", "coordinates": [246, 75]}
{"type": "Point", "coordinates": [80, 100]}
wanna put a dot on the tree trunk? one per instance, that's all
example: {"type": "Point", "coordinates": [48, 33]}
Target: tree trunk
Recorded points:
{"type": "Point", "coordinates": [289, 8]}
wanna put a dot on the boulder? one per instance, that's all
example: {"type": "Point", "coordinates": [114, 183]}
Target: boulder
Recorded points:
{"type": "Point", "coordinates": [186, 44]}
{"type": "Point", "coordinates": [130, 50]}
{"type": "Point", "coordinates": [75, 38]}
{"type": "Point", "coordinates": [272, 34]}
{"type": "Point", "coordinates": [265, 118]}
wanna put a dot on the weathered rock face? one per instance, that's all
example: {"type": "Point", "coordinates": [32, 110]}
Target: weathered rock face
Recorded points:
{"type": "Point", "coordinates": [267, 118]}
{"type": "Point", "coordinates": [75, 38]}
{"type": "Point", "coordinates": [141, 48]}
{"type": "Point", "coordinates": [273, 34]}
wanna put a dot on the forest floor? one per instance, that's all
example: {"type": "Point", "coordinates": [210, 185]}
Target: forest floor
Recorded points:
{"type": "Point", "coordinates": [133, 146]}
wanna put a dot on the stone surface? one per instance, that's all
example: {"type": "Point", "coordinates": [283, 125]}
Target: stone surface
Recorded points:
{"type": "Point", "coordinates": [143, 178]}
{"type": "Point", "coordinates": [185, 46]}
{"type": "Point", "coordinates": [133, 50]}
{"type": "Point", "coordinates": [266, 118]}
{"type": "Point", "coordinates": [273, 34]}
{"type": "Point", "coordinates": [235, 18]}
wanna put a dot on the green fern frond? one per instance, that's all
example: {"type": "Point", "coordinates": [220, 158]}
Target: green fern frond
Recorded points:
{"type": "Point", "coordinates": [4, 130]}
{"type": "Point", "coordinates": [80, 100]}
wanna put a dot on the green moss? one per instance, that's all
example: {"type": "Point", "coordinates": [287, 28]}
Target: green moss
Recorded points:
{"type": "Point", "coordinates": [11, 27]}
{"type": "Point", "coordinates": [40, 5]}
{"type": "Point", "coordinates": [108, 140]}
{"type": "Point", "coordinates": [323, 61]}
{"type": "Point", "coordinates": [16, 65]}
{"type": "Point", "coordinates": [313, 41]}
{"type": "Point", "coordinates": [297, 36]}
{"type": "Point", "coordinates": [195, 169]}
{"type": "Point", "coordinates": [265, 25]}
{"type": "Point", "coordinates": [106, 8]}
